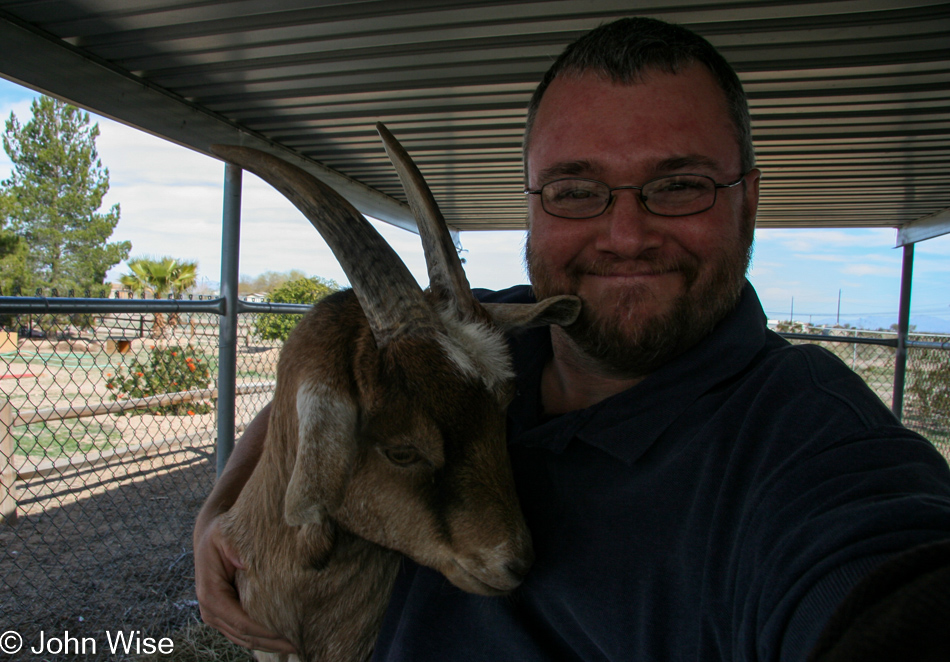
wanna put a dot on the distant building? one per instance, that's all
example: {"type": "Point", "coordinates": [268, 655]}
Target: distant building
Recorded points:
{"type": "Point", "coordinates": [118, 291]}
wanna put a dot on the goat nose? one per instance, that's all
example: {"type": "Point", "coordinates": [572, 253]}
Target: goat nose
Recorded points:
{"type": "Point", "coordinates": [518, 568]}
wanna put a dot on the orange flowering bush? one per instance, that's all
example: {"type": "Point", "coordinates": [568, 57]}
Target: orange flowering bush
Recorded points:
{"type": "Point", "coordinates": [166, 370]}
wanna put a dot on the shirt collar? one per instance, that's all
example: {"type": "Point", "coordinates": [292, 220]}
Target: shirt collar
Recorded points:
{"type": "Point", "coordinates": [626, 425]}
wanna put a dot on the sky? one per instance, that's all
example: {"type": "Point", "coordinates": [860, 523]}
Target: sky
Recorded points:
{"type": "Point", "coordinates": [171, 200]}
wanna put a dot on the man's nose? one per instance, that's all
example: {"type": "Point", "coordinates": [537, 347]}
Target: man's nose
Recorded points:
{"type": "Point", "coordinates": [628, 227]}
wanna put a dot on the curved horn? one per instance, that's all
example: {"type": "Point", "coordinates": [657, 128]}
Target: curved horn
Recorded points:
{"type": "Point", "coordinates": [447, 279]}
{"type": "Point", "coordinates": [390, 297]}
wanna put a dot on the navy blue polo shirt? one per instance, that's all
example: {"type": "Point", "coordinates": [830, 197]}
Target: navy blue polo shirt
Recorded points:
{"type": "Point", "coordinates": [718, 510]}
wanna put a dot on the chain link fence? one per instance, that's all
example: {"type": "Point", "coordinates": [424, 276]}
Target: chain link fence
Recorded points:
{"type": "Point", "coordinates": [107, 435]}
{"type": "Point", "coordinates": [927, 395]}
{"type": "Point", "coordinates": [107, 453]}
{"type": "Point", "coordinates": [872, 355]}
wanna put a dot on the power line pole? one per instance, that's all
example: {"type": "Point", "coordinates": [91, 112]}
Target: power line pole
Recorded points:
{"type": "Point", "coordinates": [838, 318]}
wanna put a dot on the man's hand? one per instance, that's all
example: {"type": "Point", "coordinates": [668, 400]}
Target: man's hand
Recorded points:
{"type": "Point", "coordinates": [898, 612]}
{"type": "Point", "coordinates": [216, 561]}
{"type": "Point", "coordinates": [215, 565]}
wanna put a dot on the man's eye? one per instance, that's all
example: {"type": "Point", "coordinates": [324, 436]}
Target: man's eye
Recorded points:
{"type": "Point", "coordinates": [679, 185]}
{"type": "Point", "coordinates": [674, 187]}
{"type": "Point", "coordinates": [574, 194]}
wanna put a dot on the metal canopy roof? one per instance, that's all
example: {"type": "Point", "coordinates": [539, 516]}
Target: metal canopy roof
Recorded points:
{"type": "Point", "coordinates": [850, 99]}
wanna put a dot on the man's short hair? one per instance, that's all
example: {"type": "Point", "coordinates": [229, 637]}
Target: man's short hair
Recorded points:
{"type": "Point", "coordinates": [625, 49]}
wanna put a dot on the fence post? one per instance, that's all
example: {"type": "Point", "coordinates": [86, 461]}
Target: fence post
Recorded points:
{"type": "Point", "coordinates": [7, 467]}
{"type": "Point", "coordinates": [227, 343]}
{"type": "Point", "coordinates": [903, 327]}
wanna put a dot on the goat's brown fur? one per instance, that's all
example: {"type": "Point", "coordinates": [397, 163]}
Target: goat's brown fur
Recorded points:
{"type": "Point", "coordinates": [385, 437]}
{"type": "Point", "coordinates": [322, 584]}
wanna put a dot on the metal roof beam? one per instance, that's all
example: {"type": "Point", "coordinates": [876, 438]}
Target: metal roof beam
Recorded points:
{"type": "Point", "coordinates": [923, 228]}
{"type": "Point", "coordinates": [55, 68]}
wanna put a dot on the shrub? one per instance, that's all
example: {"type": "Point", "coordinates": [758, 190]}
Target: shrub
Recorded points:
{"type": "Point", "coordinates": [270, 326]}
{"type": "Point", "coordinates": [166, 370]}
{"type": "Point", "coordinates": [928, 393]}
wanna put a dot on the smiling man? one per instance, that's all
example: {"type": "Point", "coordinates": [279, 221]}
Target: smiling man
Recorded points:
{"type": "Point", "coordinates": [697, 488]}
{"type": "Point", "coordinates": [657, 265]}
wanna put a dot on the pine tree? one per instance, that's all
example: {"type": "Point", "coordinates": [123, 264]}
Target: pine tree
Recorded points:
{"type": "Point", "coordinates": [52, 198]}
{"type": "Point", "coordinates": [13, 271]}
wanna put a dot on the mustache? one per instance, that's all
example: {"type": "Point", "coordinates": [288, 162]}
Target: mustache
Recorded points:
{"type": "Point", "coordinates": [643, 265]}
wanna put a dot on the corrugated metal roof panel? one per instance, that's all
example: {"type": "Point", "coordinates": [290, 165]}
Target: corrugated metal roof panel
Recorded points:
{"type": "Point", "coordinates": [849, 98]}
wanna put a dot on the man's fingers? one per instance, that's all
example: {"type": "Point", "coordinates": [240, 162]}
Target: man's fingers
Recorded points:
{"type": "Point", "coordinates": [224, 613]}
{"type": "Point", "coordinates": [230, 556]}
{"type": "Point", "coordinates": [220, 607]}
{"type": "Point", "coordinates": [238, 628]}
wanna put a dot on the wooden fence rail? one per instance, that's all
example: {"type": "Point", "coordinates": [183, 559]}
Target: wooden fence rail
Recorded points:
{"type": "Point", "coordinates": [10, 473]}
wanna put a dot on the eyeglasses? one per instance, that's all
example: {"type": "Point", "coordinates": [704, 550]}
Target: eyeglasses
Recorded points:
{"type": "Point", "coordinates": [676, 195]}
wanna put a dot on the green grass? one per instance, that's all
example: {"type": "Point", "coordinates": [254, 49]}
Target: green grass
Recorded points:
{"type": "Point", "coordinates": [84, 360]}
{"type": "Point", "coordinates": [54, 439]}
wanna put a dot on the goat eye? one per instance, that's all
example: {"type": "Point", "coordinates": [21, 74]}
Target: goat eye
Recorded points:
{"type": "Point", "coordinates": [402, 456]}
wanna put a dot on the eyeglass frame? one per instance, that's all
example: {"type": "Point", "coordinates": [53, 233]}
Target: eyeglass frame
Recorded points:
{"type": "Point", "coordinates": [610, 194]}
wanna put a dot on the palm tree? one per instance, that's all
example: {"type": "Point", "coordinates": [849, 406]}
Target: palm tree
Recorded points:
{"type": "Point", "coordinates": [161, 277]}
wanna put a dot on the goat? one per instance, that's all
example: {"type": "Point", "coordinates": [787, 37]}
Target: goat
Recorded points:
{"type": "Point", "coordinates": [386, 434]}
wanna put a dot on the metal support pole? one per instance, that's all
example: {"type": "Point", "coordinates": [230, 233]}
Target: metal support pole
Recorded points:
{"type": "Point", "coordinates": [227, 344]}
{"type": "Point", "coordinates": [903, 326]}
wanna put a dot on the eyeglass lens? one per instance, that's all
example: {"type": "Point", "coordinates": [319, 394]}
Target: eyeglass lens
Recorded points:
{"type": "Point", "coordinates": [678, 195]}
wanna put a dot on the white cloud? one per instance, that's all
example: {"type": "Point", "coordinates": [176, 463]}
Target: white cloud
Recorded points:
{"type": "Point", "coordinates": [818, 240]}
{"type": "Point", "coordinates": [871, 270]}
{"type": "Point", "coordinates": [494, 260]}
{"type": "Point", "coordinates": [936, 246]}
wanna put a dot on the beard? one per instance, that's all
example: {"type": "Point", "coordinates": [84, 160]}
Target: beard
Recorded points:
{"type": "Point", "coordinates": [628, 344]}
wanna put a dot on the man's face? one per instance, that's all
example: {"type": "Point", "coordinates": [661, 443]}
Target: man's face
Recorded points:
{"type": "Point", "coordinates": [651, 285]}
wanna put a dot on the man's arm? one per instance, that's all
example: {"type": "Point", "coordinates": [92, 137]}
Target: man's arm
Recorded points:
{"type": "Point", "coordinates": [899, 612]}
{"type": "Point", "coordinates": [215, 560]}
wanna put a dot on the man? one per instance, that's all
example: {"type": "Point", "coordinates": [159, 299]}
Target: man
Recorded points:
{"type": "Point", "coordinates": [697, 489]}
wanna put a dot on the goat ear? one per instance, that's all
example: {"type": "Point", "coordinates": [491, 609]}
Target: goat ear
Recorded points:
{"type": "Point", "coordinates": [326, 449]}
{"type": "Point", "coordinates": [561, 310]}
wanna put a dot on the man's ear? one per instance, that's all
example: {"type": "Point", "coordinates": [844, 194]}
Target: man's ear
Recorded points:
{"type": "Point", "coordinates": [752, 189]}
{"type": "Point", "coordinates": [326, 449]}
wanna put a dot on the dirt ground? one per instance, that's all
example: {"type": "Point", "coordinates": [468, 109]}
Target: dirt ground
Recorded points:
{"type": "Point", "coordinates": [106, 548]}
{"type": "Point", "coordinates": [115, 555]}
